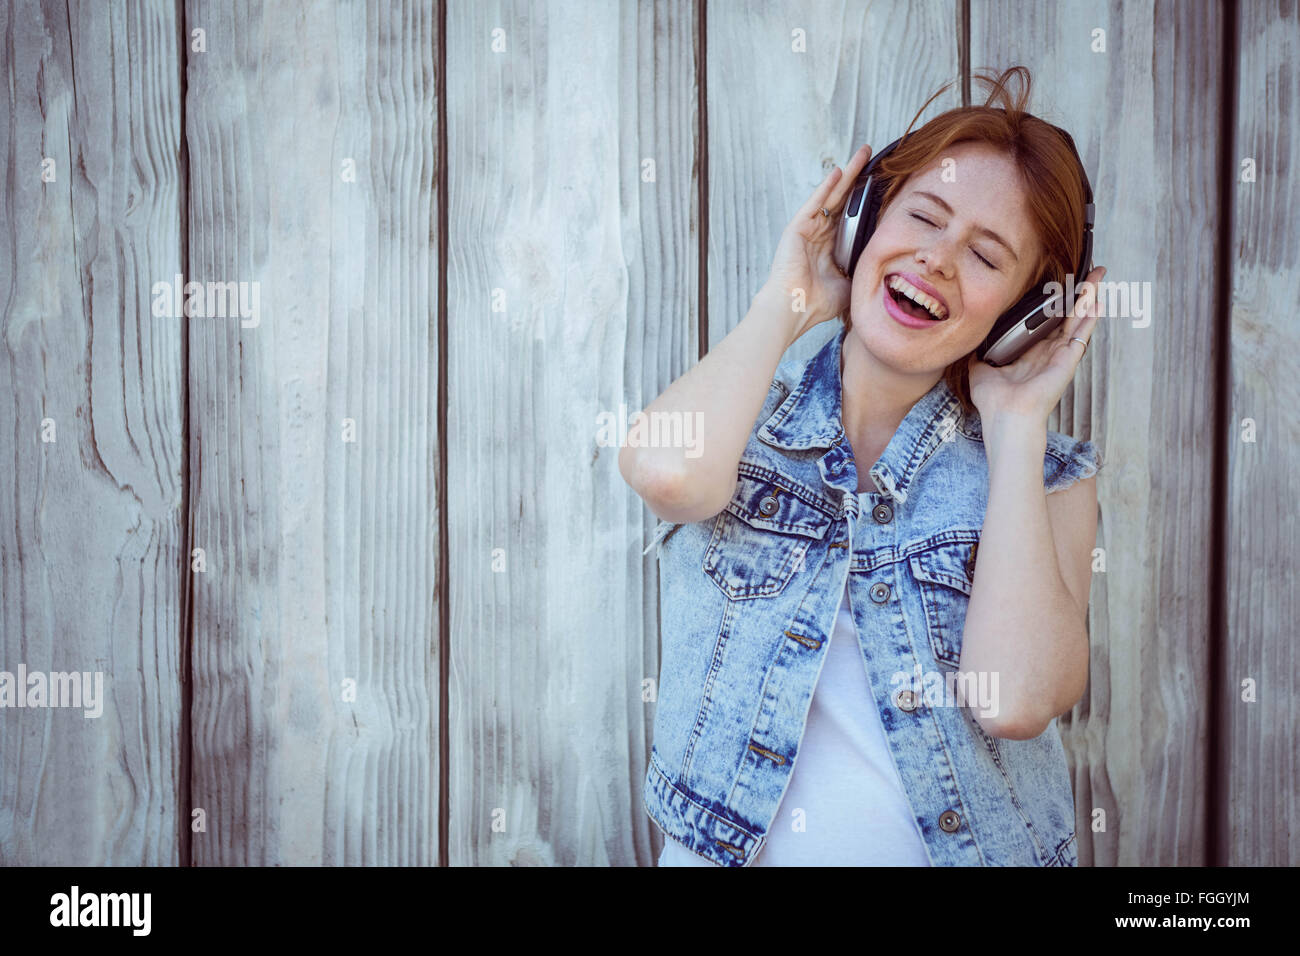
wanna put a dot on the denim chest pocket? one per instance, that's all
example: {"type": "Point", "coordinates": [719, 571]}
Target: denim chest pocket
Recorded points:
{"type": "Point", "coordinates": [761, 539]}
{"type": "Point", "coordinates": [945, 573]}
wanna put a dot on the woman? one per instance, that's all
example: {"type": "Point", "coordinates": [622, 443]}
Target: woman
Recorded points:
{"type": "Point", "coordinates": [881, 566]}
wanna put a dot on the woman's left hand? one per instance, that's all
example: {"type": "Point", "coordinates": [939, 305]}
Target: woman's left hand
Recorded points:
{"type": "Point", "coordinates": [1031, 386]}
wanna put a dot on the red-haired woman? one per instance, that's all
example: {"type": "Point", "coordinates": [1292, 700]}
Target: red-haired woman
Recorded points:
{"type": "Point", "coordinates": [875, 528]}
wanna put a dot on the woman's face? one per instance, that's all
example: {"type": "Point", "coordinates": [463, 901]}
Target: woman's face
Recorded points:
{"type": "Point", "coordinates": [937, 230]}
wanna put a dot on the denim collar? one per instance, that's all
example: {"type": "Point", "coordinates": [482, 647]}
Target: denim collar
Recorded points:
{"type": "Point", "coordinates": [811, 417]}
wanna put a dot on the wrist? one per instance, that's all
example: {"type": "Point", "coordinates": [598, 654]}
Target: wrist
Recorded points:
{"type": "Point", "coordinates": [775, 306]}
{"type": "Point", "coordinates": [1015, 431]}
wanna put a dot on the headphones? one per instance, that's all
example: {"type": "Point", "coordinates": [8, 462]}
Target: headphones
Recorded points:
{"type": "Point", "coordinates": [1018, 328]}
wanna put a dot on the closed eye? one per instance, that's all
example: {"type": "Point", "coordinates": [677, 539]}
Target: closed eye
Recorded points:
{"type": "Point", "coordinates": [977, 255]}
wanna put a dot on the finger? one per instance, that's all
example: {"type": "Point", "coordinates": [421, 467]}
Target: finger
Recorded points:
{"type": "Point", "coordinates": [857, 162]}
{"type": "Point", "coordinates": [1089, 321]}
{"type": "Point", "coordinates": [1096, 298]}
{"type": "Point", "coordinates": [1083, 330]}
{"type": "Point", "coordinates": [820, 195]}
{"type": "Point", "coordinates": [1085, 305]}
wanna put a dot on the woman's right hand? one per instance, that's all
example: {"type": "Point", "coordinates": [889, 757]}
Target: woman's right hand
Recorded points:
{"type": "Point", "coordinates": [805, 254]}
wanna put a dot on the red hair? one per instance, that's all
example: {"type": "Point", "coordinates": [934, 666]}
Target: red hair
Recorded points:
{"type": "Point", "coordinates": [1053, 186]}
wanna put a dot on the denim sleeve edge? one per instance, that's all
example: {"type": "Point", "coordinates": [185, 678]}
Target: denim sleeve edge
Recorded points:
{"type": "Point", "coordinates": [1082, 460]}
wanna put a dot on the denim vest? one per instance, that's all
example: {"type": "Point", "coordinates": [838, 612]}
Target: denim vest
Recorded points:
{"type": "Point", "coordinates": [748, 600]}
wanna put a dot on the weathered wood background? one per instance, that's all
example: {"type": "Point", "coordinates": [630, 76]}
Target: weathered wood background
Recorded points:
{"type": "Point", "coordinates": [364, 586]}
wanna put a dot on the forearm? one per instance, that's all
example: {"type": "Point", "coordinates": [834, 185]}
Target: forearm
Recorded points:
{"type": "Point", "coordinates": [717, 401]}
{"type": "Point", "coordinates": [1022, 623]}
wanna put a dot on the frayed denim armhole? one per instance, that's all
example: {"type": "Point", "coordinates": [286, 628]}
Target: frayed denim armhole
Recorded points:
{"type": "Point", "coordinates": [1069, 461]}
{"type": "Point", "coordinates": [662, 530]}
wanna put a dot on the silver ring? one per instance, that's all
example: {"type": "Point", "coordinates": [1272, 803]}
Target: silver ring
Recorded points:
{"type": "Point", "coordinates": [1075, 338]}
{"type": "Point", "coordinates": [826, 212]}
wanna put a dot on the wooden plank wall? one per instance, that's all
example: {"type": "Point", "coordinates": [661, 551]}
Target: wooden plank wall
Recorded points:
{"type": "Point", "coordinates": [573, 293]}
{"type": "Point", "coordinates": [91, 406]}
{"type": "Point", "coordinates": [1261, 672]}
{"type": "Point", "coordinates": [1132, 83]}
{"type": "Point", "coordinates": [290, 690]}
{"type": "Point", "coordinates": [310, 130]}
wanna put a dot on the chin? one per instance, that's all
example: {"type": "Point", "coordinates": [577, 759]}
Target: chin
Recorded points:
{"type": "Point", "coordinates": [890, 346]}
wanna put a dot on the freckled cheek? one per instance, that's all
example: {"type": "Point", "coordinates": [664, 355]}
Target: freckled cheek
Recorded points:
{"type": "Point", "coordinates": [978, 319]}
{"type": "Point", "coordinates": [980, 309]}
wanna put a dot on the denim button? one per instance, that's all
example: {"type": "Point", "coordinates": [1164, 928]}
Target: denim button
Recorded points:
{"type": "Point", "coordinates": [880, 592]}
{"type": "Point", "coordinates": [767, 507]}
{"type": "Point", "coordinates": [949, 821]}
{"type": "Point", "coordinates": [906, 700]}
{"type": "Point", "coordinates": [970, 562]}
{"type": "Point", "coordinates": [882, 513]}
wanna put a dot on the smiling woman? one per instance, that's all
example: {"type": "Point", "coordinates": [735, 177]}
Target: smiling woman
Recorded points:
{"type": "Point", "coordinates": [998, 184]}
{"type": "Point", "coordinates": [866, 531]}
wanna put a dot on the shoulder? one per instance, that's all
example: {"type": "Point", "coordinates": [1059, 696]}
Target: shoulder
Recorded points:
{"type": "Point", "coordinates": [1066, 459]}
{"type": "Point", "coordinates": [787, 376]}
{"type": "Point", "coordinates": [789, 373]}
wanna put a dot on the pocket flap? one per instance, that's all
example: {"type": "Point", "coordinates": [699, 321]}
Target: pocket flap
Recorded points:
{"type": "Point", "coordinates": [770, 502]}
{"type": "Point", "coordinates": [950, 563]}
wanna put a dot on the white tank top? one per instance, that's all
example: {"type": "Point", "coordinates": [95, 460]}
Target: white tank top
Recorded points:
{"type": "Point", "coordinates": [855, 810]}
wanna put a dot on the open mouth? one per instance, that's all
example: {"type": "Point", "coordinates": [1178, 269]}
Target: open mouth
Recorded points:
{"type": "Point", "coordinates": [909, 306]}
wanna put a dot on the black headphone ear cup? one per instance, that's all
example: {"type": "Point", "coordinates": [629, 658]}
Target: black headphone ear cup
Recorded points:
{"type": "Point", "coordinates": [1036, 297]}
{"type": "Point", "coordinates": [867, 221]}
{"type": "Point", "coordinates": [1032, 301]}
{"type": "Point", "coordinates": [861, 233]}
{"type": "Point", "coordinates": [874, 193]}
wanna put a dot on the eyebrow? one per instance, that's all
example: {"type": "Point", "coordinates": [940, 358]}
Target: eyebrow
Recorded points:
{"type": "Point", "coordinates": [980, 229]}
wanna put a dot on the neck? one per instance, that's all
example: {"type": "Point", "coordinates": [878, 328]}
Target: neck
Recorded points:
{"type": "Point", "coordinates": [875, 399]}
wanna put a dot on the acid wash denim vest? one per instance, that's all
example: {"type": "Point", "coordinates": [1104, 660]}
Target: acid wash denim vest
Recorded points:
{"type": "Point", "coordinates": [748, 600]}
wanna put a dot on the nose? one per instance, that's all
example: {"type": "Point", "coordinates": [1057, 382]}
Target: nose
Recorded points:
{"type": "Point", "coordinates": [937, 256]}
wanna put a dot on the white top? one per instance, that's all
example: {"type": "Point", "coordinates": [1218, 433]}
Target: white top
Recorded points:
{"type": "Point", "coordinates": [855, 810]}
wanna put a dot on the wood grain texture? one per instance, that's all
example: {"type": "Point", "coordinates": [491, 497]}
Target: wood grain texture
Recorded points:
{"type": "Point", "coordinates": [553, 110]}
{"type": "Point", "coordinates": [1139, 115]}
{"type": "Point", "coordinates": [90, 523]}
{"type": "Point", "coordinates": [779, 119]}
{"type": "Point", "coordinates": [1262, 537]}
{"type": "Point", "coordinates": [661, 256]}
{"type": "Point", "coordinates": [298, 150]}
{"type": "Point", "coordinates": [321, 552]}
